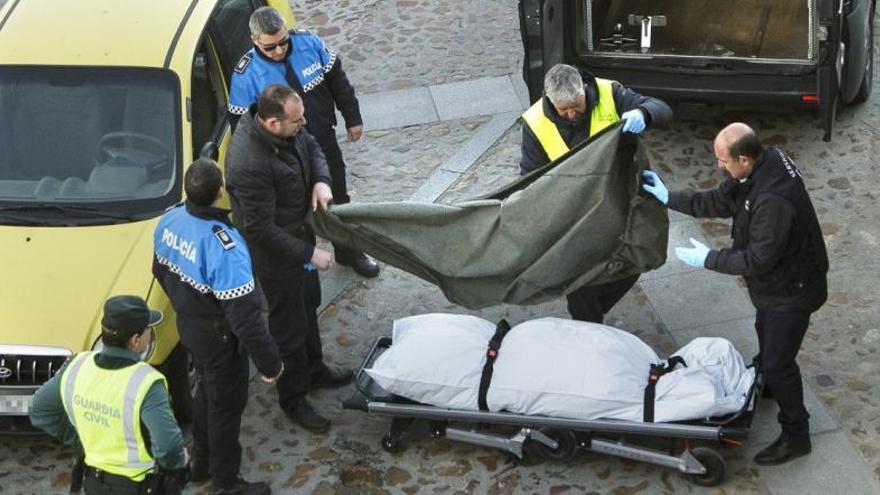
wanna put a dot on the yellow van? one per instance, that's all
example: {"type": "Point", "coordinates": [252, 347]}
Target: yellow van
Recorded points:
{"type": "Point", "coordinates": [102, 106]}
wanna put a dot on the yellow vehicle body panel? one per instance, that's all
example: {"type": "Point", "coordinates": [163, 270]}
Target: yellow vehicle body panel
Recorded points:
{"type": "Point", "coordinates": [56, 279]}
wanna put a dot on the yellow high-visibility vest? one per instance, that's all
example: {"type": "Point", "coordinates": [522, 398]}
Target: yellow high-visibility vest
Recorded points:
{"type": "Point", "coordinates": [603, 115]}
{"type": "Point", "coordinates": [104, 406]}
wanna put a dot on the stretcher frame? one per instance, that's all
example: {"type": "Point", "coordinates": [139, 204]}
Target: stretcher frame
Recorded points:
{"type": "Point", "coordinates": [560, 439]}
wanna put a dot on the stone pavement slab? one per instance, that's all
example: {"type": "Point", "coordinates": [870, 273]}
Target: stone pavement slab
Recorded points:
{"type": "Point", "coordinates": [398, 108]}
{"type": "Point", "coordinates": [697, 298]}
{"type": "Point", "coordinates": [479, 96]}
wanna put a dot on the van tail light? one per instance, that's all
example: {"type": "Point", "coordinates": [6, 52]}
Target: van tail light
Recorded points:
{"type": "Point", "coordinates": [809, 99]}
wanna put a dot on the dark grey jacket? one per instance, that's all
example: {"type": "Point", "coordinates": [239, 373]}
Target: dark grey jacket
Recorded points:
{"type": "Point", "coordinates": [777, 243]}
{"type": "Point", "coordinates": [575, 132]}
{"type": "Point", "coordinates": [270, 180]}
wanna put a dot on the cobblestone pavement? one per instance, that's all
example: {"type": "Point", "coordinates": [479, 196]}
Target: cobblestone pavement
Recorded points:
{"type": "Point", "coordinates": [395, 44]}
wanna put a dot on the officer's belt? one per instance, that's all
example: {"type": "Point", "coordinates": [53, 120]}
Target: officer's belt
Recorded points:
{"type": "Point", "coordinates": [110, 479]}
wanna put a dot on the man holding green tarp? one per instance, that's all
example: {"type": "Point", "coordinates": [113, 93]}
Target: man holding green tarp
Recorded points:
{"type": "Point", "coordinates": [571, 111]}
{"type": "Point", "coordinates": [515, 246]}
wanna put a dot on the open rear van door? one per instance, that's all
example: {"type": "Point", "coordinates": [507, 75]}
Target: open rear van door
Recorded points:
{"type": "Point", "coordinates": [831, 53]}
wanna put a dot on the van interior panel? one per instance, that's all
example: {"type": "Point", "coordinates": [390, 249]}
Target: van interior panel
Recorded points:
{"type": "Point", "coordinates": [766, 29]}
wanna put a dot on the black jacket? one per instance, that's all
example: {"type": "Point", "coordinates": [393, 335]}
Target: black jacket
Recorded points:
{"type": "Point", "coordinates": [270, 180]}
{"type": "Point", "coordinates": [575, 132]}
{"type": "Point", "coordinates": [204, 321]}
{"type": "Point", "coordinates": [777, 243]}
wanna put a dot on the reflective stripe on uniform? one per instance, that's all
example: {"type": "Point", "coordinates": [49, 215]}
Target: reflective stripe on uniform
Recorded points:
{"type": "Point", "coordinates": [603, 115]}
{"type": "Point", "coordinates": [68, 380]}
{"type": "Point", "coordinates": [128, 417]}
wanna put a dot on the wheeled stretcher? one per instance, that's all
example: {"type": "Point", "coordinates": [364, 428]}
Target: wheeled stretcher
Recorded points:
{"type": "Point", "coordinates": [560, 438]}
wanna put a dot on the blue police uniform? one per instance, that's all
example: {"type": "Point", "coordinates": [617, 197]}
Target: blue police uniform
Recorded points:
{"type": "Point", "coordinates": [204, 266]}
{"type": "Point", "coordinates": [310, 68]}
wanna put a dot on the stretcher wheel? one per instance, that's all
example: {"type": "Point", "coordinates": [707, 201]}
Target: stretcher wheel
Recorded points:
{"type": "Point", "coordinates": [714, 464]}
{"type": "Point", "coordinates": [393, 443]}
{"type": "Point", "coordinates": [567, 448]}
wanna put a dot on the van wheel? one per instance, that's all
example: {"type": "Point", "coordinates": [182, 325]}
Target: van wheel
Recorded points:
{"type": "Point", "coordinates": [180, 372]}
{"type": "Point", "coordinates": [864, 91]}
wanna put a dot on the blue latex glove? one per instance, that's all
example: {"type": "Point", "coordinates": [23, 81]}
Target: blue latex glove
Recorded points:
{"type": "Point", "coordinates": [654, 185]}
{"type": "Point", "coordinates": [634, 121]}
{"type": "Point", "coordinates": [309, 267]}
{"type": "Point", "coordinates": [695, 256]}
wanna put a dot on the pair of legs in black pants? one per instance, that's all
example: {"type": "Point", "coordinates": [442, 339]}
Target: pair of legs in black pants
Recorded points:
{"type": "Point", "coordinates": [780, 333]}
{"type": "Point", "coordinates": [221, 396]}
{"type": "Point", "coordinates": [295, 330]}
{"type": "Point", "coordinates": [590, 303]}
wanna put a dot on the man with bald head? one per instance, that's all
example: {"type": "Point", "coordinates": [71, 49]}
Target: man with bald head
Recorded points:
{"type": "Point", "coordinates": [778, 249]}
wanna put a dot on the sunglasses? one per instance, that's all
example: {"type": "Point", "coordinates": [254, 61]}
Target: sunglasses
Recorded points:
{"type": "Point", "coordinates": [273, 46]}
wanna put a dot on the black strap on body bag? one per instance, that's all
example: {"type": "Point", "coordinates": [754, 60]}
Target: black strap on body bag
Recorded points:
{"type": "Point", "coordinates": [657, 370]}
{"type": "Point", "coordinates": [491, 354]}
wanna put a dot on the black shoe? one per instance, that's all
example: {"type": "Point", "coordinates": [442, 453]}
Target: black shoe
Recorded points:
{"type": "Point", "coordinates": [784, 449]}
{"type": "Point", "coordinates": [199, 470]}
{"type": "Point", "coordinates": [328, 377]}
{"type": "Point", "coordinates": [362, 264]}
{"type": "Point", "coordinates": [241, 487]}
{"type": "Point", "coordinates": [305, 415]}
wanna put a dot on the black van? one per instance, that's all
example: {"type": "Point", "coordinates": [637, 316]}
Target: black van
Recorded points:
{"type": "Point", "coordinates": [809, 53]}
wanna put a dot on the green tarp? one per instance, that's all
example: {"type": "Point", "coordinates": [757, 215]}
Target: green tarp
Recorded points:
{"type": "Point", "coordinates": [577, 221]}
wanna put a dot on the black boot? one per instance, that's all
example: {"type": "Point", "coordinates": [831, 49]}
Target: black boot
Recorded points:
{"type": "Point", "coordinates": [784, 449]}
{"type": "Point", "coordinates": [362, 264]}
{"type": "Point", "coordinates": [241, 487]}
{"type": "Point", "coordinates": [327, 377]}
{"type": "Point", "coordinates": [303, 413]}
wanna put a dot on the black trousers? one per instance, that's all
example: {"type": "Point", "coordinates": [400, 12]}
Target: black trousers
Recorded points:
{"type": "Point", "coordinates": [223, 372]}
{"type": "Point", "coordinates": [295, 333]}
{"type": "Point", "coordinates": [780, 334]}
{"type": "Point", "coordinates": [590, 303]}
{"type": "Point", "coordinates": [336, 164]}
{"type": "Point", "coordinates": [96, 483]}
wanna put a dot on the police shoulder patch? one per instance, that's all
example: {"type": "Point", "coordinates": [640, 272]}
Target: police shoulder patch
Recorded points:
{"type": "Point", "coordinates": [243, 62]}
{"type": "Point", "coordinates": [226, 240]}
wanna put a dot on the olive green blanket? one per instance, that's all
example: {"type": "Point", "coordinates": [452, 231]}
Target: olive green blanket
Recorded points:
{"type": "Point", "coordinates": [581, 220]}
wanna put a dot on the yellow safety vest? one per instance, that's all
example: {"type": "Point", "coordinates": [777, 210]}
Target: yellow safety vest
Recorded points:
{"type": "Point", "coordinates": [603, 115]}
{"type": "Point", "coordinates": [104, 406]}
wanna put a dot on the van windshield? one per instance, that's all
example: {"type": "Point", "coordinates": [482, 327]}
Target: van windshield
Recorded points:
{"type": "Point", "coordinates": [79, 141]}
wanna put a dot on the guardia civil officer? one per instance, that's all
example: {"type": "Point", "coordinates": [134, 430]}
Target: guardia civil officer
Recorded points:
{"type": "Point", "coordinates": [205, 268]}
{"type": "Point", "coordinates": [778, 249]}
{"type": "Point", "coordinates": [571, 111]}
{"type": "Point", "coordinates": [109, 402]}
{"type": "Point", "coordinates": [303, 61]}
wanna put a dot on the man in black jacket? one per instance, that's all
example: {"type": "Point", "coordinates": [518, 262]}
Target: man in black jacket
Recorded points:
{"type": "Point", "coordinates": [778, 249]}
{"type": "Point", "coordinates": [304, 62]}
{"type": "Point", "coordinates": [204, 266]}
{"type": "Point", "coordinates": [276, 171]}
{"type": "Point", "coordinates": [569, 113]}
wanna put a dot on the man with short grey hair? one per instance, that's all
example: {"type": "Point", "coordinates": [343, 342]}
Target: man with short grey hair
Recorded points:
{"type": "Point", "coordinates": [570, 112]}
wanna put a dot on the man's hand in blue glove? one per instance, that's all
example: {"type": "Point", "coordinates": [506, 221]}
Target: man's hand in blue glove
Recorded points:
{"type": "Point", "coordinates": [654, 185]}
{"type": "Point", "coordinates": [634, 121]}
{"type": "Point", "coordinates": [695, 256]}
